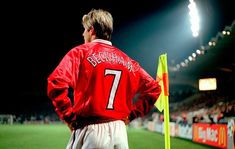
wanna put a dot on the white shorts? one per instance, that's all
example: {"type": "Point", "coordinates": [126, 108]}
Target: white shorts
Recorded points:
{"type": "Point", "coordinates": [110, 135]}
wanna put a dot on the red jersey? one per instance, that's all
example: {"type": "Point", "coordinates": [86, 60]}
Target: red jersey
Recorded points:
{"type": "Point", "coordinates": [104, 80]}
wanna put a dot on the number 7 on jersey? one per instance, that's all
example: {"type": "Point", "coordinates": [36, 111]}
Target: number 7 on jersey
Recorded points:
{"type": "Point", "coordinates": [117, 76]}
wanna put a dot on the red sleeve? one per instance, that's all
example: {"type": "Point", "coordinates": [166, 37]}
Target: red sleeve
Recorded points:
{"type": "Point", "coordinates": [149, 91]}
{"type": "Point", "coordinates": [59, 81]}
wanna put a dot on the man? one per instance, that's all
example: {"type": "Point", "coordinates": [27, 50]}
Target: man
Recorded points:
{"type": "Point", "coordinates": [105, 81]}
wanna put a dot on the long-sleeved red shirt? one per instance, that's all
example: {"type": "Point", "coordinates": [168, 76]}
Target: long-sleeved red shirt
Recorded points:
{"type": "Point", "coordinates": [104, 80]}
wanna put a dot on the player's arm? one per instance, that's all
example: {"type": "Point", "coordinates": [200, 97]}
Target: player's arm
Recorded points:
{"type": "Point", "coordinates": [59, 82]}
{"type": "Point", "coordinates": [149, 91]}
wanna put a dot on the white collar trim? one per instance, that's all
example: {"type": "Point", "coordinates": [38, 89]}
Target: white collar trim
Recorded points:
{"type": "Point", "coordinates": [102, 41]}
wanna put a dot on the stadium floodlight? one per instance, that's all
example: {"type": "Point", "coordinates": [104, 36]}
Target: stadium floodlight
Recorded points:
{"type": "Point", "coordinates": [226, 32]}
{"type": "Point", "coordinates": [194, 18]}
{"type": "Point", "coordinates": [198, 51]}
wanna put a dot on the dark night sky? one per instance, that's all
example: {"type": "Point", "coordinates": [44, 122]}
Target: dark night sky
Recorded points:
{"type": "Point", "coordinates": [36, 35]}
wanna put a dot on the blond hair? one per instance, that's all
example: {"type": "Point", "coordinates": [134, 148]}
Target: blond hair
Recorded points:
{"type": "Point", "coordinates": [101, 21]}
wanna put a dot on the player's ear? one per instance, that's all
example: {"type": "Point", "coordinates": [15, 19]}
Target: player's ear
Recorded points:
{"type": "Point", "coordinates": [92, 31]}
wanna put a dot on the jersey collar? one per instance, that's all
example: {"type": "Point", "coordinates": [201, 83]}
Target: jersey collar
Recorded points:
{"type": "Point", "coordinates": [102, 41]}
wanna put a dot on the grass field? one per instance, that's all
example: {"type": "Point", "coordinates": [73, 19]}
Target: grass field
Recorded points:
{"type": "Point", "coordinates": [56, 137]}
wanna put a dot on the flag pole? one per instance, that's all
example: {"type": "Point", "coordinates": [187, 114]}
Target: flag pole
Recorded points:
{"type": "Point", "coordinates": [167, 124]}
{"type": "Point", "coordinates": [162, 103]}
{"type": "Point", "coordinates": [166, 106]}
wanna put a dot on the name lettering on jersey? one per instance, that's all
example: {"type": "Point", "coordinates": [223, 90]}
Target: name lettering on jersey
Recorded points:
{"type": "Point", "coordinates": [100, 57]}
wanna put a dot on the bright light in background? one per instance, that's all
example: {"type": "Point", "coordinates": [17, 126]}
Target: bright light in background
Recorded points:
{"type": "Point", "coordinates": [194, 18]}
{"type": "Point", "coordinates": [207, 84]}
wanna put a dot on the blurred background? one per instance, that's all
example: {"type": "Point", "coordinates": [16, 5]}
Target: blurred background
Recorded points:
{"type": "Point", "coordinates": [36, 35]}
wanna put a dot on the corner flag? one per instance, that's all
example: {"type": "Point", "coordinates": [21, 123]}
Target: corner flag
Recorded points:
{"type": "Point", "coordinates": [162, 77]}
{"type": "Point", "coordinates": [163, 103]}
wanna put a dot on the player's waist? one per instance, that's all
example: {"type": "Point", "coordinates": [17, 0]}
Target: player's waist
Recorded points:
{"type": "Point", "coordinates": [84, 121]}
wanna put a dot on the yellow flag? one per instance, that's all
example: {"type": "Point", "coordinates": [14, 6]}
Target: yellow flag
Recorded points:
{"type": "Point", "coordinates": [163, 103]}
{"type": "Point", "coordinates": [162, 77]}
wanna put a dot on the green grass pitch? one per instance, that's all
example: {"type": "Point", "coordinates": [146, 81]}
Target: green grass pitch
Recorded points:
{"type": "Point", "coordinates": [55, 136]}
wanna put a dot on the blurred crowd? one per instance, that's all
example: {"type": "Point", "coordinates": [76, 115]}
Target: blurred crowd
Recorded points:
{"type": "Point", "coordinates": [205, 107]}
